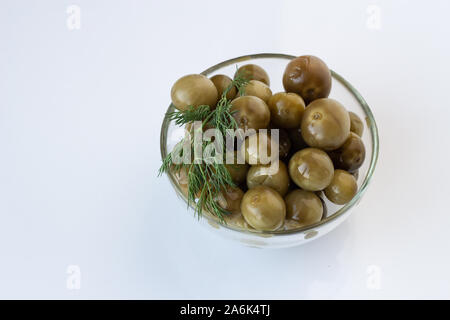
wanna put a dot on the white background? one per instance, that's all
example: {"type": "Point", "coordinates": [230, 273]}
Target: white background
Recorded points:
{"type": "Point", "coordinates": [80, 115]}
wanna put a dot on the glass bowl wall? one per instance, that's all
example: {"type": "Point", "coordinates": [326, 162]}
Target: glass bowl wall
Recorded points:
{"type": "Point", "coordinates": [342, 91]}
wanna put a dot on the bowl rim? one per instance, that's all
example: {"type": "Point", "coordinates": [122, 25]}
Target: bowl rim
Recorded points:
{"type": "Point", "coordinates": [370, 121]}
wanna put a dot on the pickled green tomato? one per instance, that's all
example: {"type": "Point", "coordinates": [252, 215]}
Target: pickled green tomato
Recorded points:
{"type": "Point", "coordinates": [250, 112]}
{"type": "Point", "coordinates": [309, 77]}
{"type": "Point", "coordinates": [263, 208]}
{"type": "Point", "coordinates": [286, 110]}
{"type": "Point", "coordinates": [253, 72]}
{"type": "Point", "coordinates": [274, 175]}
{"type": "Point", "coordinates": [311, 169]}
{"type": "Point", "coordinates": [194, 90]}
{"type": "Point", "coordinates": [222, 82]}
{"type": "Point", "coordinates": [325, 124]}
{"type": "Point", "coordinates": [305, 207]}
{"type": "Point", "coordinates": [342, 188]}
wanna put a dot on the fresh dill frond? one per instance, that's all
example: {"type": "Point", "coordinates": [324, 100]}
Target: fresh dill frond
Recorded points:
{"type": "Point", "coordinates": [206, 180]}
{"type": "Point", "coordinates": [223, 116]}
{"type": "Point", "coordinates": [240, 82]}
{"type": "Point", "coordinates": [182, 117]}
{"type": "Point", "coordinates": [205, 183]}
{"type": "Point", "coordinates": [166, 164]}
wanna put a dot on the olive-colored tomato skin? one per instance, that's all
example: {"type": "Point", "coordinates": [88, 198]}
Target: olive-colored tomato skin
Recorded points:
{"type": "Point", "coordinates": [305, 207]}
{"type": "Point", "coordinates": [286, 110]}
{"type": "Point", "coordinates": [194, 90]}
{"type": "Point", "coordinates": [308, 76]}
{"type": "Point", "coordinates": [284, 143]}
{"type": "Point", "coordinates": [238, 171]}
{"type": "Point", "coordinates": [350, 156]}
{"type": "Point", "coordinates": [236, 219]}
{"type": "Point", "coordinates": [263, 208]}
{"type": "Point", "coordinates": [356, 124]}
{"type": "Point", "coordinates": [274, 175]}
{"type": "Point", "coordinates": [311, 169]}
{"type": "Point", "coordinates": [342, 188]}
{"type": "Point", "coordinates": [250, 112]}
{"type": "Point", "coordinates": [222, 83]}
{"type": "Point", "coordinates": [253, 72]}
{"type": "Point", "coordinates": [325, 124]}
{"type": "Point", "coordinates": [298, 143]}
{"type": "Point", "coordinates": [257, 89]}
{"type": "Point", "coordinates": [230, 199]}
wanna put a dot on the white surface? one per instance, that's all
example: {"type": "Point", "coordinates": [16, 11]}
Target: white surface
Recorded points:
{"type": "Point", "coordinates": [80, 114]}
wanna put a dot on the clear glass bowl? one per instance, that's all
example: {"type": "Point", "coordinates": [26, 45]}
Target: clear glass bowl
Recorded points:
{"type": "Point", "coordinates": [342, 91]}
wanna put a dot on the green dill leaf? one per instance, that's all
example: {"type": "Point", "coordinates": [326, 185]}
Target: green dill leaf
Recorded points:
{"type": "Point", "coordinates": [182, 117]}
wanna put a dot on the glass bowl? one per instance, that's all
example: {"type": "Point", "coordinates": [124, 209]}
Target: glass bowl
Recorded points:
{"type": "Point", "coordinates": [342, 91]}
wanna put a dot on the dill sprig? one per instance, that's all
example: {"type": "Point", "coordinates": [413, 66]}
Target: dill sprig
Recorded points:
{"type": "Point", "coordinates": [191, 114]}
{"type": "Point", "coordinates": [222, 118]}
{"type": "Point", "coordinates": [205, 182]}
{"type": "Point", "coordinates": [207, 179]}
